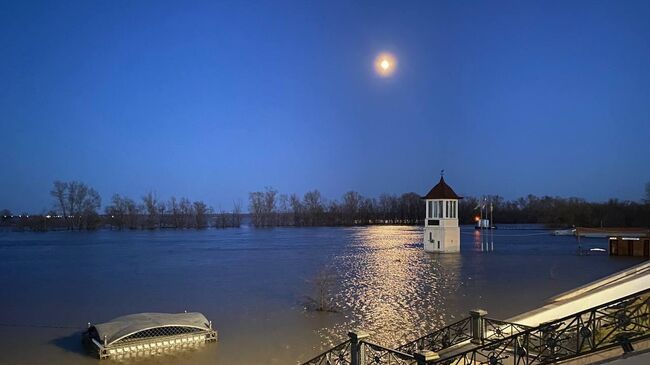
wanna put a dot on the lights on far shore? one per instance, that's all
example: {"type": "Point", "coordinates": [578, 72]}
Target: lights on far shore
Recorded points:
{"type": "Point", "coordinates": [49, 216]}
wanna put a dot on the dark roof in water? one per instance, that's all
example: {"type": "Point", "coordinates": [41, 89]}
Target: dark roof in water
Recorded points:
{"type": "Point", "coordinates": [442, 191]}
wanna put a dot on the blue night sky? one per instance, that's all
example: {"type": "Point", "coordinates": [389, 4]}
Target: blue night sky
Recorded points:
{"type": "Point", "coordinates": [212, 100]}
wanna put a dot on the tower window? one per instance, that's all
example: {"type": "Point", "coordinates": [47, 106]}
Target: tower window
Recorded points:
{"type": "Point", "coordinates": [430, 209]}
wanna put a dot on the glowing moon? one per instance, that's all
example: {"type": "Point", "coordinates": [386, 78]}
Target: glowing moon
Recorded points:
{"type": "Point", "coordinates": [385, 64]}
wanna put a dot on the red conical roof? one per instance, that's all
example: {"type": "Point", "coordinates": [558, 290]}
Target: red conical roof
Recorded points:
{"type": "Point", "coordinates": [442, 191]}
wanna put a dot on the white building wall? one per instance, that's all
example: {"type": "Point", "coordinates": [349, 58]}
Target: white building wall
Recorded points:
{"type": "Point", "coordinates": [445, 235]}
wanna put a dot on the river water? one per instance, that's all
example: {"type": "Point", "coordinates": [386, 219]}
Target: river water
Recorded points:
{"type": "Point", "coordinates": [253, 285]}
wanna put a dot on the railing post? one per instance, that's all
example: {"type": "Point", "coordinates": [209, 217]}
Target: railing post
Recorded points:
{"type": "Point", "coordinates": [477, 324]}
{"type": "Point", "coordinates": [548, 339]}
{"type": "Point", "coordinates": [426, 357]}
{"type": "Point", "coordinates": [356, 349]}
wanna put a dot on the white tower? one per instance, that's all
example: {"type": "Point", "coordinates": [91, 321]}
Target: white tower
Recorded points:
{"type": "Point", "coordinates": [441, 231]}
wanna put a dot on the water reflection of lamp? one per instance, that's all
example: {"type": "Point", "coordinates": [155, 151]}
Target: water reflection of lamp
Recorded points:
{"type": "Point", "coordinates": [391, 290]}
{"type": "Point", "coordinates": [478, 239]}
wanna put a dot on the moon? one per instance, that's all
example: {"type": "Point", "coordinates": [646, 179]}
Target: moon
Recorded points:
{"type": "Point", "coordinates": [385, 64]}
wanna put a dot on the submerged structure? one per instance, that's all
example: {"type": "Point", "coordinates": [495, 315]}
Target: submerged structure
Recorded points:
{"type": "Point", "coordinates": [441, 231]}
{"type": "Point", "coordinates": [630, 246]}
{"type": "Point", "coordinates": [148, 333]}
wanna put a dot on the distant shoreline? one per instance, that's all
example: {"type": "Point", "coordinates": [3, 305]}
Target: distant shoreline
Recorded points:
{"type": "Point", "coordinates": [246, 224]}
{"type": "Point", "coordinates": [77, 207]}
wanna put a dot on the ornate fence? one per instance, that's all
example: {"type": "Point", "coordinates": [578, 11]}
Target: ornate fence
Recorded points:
{"type": "Point", "coordinates": [445, 337]}
{"type": "Point", "coordinates": [618, 323]}
{"type": "Point", "coordinates": [496, 330]}
{"type": "Point", "coordinates": [377, 354]}
{"type": "Point", "coordinates": [339, 355]}
{"type": "Point", "coordinates": [358, 351]}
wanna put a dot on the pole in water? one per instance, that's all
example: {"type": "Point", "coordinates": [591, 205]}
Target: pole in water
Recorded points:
{"type": "Point", "coordinates": [491, 220]}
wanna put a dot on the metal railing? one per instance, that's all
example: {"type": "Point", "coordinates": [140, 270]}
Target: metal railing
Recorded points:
{"type": "Point", "coordinates": [450, 335]}
{"type": "Point", "coordinates": [377, 354]}
{"type": "Point", "coordinates": [496, 329]}
{"type": "Point", "coordinates": [359, 351]}
{"type": "Point", "coordinates": [340, 354]}
{"type": "Point", "coordinates": [617, 323]}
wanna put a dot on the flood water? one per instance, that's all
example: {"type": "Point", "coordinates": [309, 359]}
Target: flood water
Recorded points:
{"type": "Point", "coordinates": [253, 284]}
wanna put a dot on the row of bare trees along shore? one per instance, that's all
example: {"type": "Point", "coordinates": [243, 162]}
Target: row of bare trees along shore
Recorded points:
{"type": "Point", "coordinates": [269, 208]}
{"type": "Point", "coordinates": [76, 206]}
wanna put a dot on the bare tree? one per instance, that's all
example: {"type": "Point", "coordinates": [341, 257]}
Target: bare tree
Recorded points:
{"type": "Point", "coordinates": [351, 202]}
{"type": "Point", "coordinates": [187, 213]}
{"type": "Point", "coordinates": [117, 211]}
{"type": "Point", "coordinates": [59, 192]}
{"type": "Point", "coordinates": [132, 213]}
{"type": "Point", "coordinates": [270, 208]}
{"type": "Point", "coordinates": [256, 207]}
{"type": "Point", "coordinates": [174, 209]}
{"type": "Point", "coordinates": [78, 203]}
{"type": "Point", "coordinates": [314, 207]}
{"type": "Point", "coordinates": [200, 211]}
{"type": "Point", "coordinates": [263, 207]}
{"type": "Point", "coordinates": [283, 210]}
{"type": "Point", "coordinates": [298, 210]}
{"type": "Point", "coordinates": [323, 284]}
{"type": "Point", "coordinates": [236, 213]}
{"type": "Point", "coordinates": [162, 208]}
{"type": "Point", "coordinates": [150, 205]}
{"type": "Point", "coordinates": [333, 214]}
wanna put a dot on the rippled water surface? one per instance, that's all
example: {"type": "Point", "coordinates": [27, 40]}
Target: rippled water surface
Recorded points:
{"type": "Point", "coordinates": [254, 283]}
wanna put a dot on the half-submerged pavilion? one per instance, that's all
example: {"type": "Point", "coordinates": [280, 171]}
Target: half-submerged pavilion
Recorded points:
{"type": "Point", "coordinates": [441, 231]}
{"type": "Point", "coordinates": [148, 333]}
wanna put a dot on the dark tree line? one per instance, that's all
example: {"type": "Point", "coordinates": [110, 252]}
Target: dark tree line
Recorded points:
{"type": "Point", "coordinates": [268, 209]}
{"type": "Point", "coordinates": [76, 207]}
{"type": "Point", "coordinates": [154, 213]}
{"type": "Point", "coordinates": [560, 212]}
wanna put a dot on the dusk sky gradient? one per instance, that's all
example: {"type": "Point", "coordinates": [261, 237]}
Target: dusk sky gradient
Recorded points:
{"type": "Point", "coordinates": [212, 100]}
